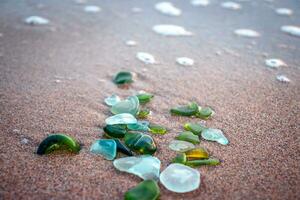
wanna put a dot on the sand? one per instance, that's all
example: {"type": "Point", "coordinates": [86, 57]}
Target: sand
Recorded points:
{"type": "Point", "coordinates": [54, 78]}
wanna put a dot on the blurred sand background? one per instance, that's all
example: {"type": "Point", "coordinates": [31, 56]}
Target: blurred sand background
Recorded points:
{"type": "Point", "coordinates": [54, 78]}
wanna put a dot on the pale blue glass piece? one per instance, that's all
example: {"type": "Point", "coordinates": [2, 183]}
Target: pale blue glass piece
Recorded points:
{"type": "Point", "coordinates": [112, 100]}
{"type": "Point", "coordinates": [105, 147]}
{"type": "Point", "coordinates": [180, 178]}
{"type": "Point", "coordinates": [129, 105]}
{"type": "Point", "coordinates": [146, 167]}
{"type": "Point", "coordinates": [124, 118]}
{"type": "Point", "coordinates": [214, 135]}
{"type": "Point", "coordinates": [139, 126]}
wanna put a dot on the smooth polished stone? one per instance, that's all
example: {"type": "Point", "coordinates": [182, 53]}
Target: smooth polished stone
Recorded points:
{"type": "Point", "coordinates": [122, 148]}
{"type": "Point", "coordinates": [112, 100]}
{"type": "Point", "coordinates": [180, 178]}
{"type": "Point", "coordinates": [157, 129]}
{"type": "Point", "coordinates": [187, 110]}
{"type": "Point", "coordinates": [188, 137]}
{"type": "Point", "coordinates": [180, 158]}
{"type": "Point", "coordinates": [214, 135]}
{"type": "Point", "coordinates": [144, 97]}
{"type": "Point", "coordinates": [140, 142]}
{"type": "Point", "coordinates": [105, 147]}
{"type": "Point", "coordinates": [146, 190]}
{"type": "Point", "coordinates": [139, 126]}
{"type": "Point", "coordinates": [123, 77]}
{"type": "Point", "coordinates": [171, 30]}
{"type": "Point", "coordinates": [181, 146]}
{"type": "Point", "coordinates": [209, 161]}
{"type": "Point", "coordinates": [129, 105]}
{"type": "Point", "coordinates": [145, 166]}
{"type": "Point", "coordinates": [36, 20]}
{"type": "Point", "coordinates": [115, 131]}
{"type": "Point", "coordinates": [194, 128]}
{"type": "Point", "coordinates": [124, 118]}
{"type": "Point", "coordinates": [204, 113]}
{"type": "Point", "coordinates": [196, 154]}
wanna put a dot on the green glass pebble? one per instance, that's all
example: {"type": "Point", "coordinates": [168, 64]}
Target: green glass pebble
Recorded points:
{"type": "Point", "coordinates": [146, 190]}
{"type": "Point", "coordinates": [214, 135]}
{"type": "Point", "coordinates": [196, 163]}
{"type": "Point", "coordinates": [124, 118]}
{"type": "Point", "coordinates": [157, 129]}
{"type": "Point", "coordinates": [58, 141]}
{"type": "Point", "coordinates": [181, 146]}
{"type": "Point", "coordinates": [194, 128]}
{"type": "Point", "coordinates": [115, 131]}
{"type": "Point", "coordinates": [143, 113]}
{"type": "Point", "coordinates": [187, 110]}
{"type": "Point", "coordinates": [129, 105]}
{"type": "Point", "coordinates": [105, 147]}
{"type": "Point", "coordinates": [140, 142]}
{"type": "Point", "coordinates": [204, 113]}
{"type": "Point", "coordinates": [122, 77]}
{"type": "Point", "coordinates": [122, 148]}
{"type": "Point", "coordinates": [189, 137]}
{"type": "Point", "coordinates": [112, 100]}
{"type": "Point", "coordinates": [180, 158]}
{"type": "Point", "coordinates": [144, 97]}
{"type": "Point", "coordinates": [139, 126]}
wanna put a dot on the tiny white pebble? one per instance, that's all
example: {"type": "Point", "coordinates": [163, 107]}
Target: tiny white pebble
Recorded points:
{"type": "Point", "coordinates": [131, 43]}
{"type": "Point", "coordinates": [92, 9]}
{"type": "Point", "coordinates": [167, 8]}
{"type": "Point", "coordinates": [283, 78]}
{"type": "Point", "coordinates": [200, 2]}
{"type": "Point", "coordinates": [24, 141]}
{"type": "Point", "coordinates": [145, 57]}
{"type": "Point", "coordinates": [231, 5]}
{"type": "Point", "coordinates": [275, 63]}
{"type": "Point", "coordinates": [57, 81]}
{"type": "Point", "coordinates": [292, 30]}
{"type": "Point", "coordinates": [36, 20]}
{"type": "Point", "coordinates": [246, 33]}
{"type": "Point", "coordinates": [284, 11]}
{"type": "Point", "coordinates": [185, 61]}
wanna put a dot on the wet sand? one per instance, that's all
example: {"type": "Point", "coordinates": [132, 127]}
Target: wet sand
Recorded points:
{"type": "Point", "coordinates": [54, 78]}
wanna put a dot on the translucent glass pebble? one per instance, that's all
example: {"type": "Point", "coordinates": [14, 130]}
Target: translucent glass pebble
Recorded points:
{"type": "Point", "coordinates": [112, 100]}
{"type": "Point", "coordinates": [181, 146]}
{"type": "Point", "coordinates": [196, 154]}
{"type": "Point", "coordinates": [283, 78]}
{"type": "Point", "coordinates": [171, 30]}
{"type": "Point", "coordinates": [185, 61]}
{"type": "Point", "coordinates": [124, 118]}
{"type": "Point", "coordinates": [180, 178]}
{"type": "Point", "coordinates": [188, 137]}
{"type": "Point", "coordinates": [284, 11]}
{"type": "Point", "coordinates": [275, 63]}
{"type": "Point", "coordinates": [92, 9]}
{"type": "Point", "coordinates": [105, 147]}
{"type": "Point", "coordinates": [140, 142]}
{"type": "Point", "coordinates": [146, 190]}
{"type": "Point", "coordinates": [247, 33]}
{"type": "Point", "coordinates": [123, 77]}
{"type": "Point", "coordinates": [167, 8]}
{"type": "Point", "coordinates": [36, 20]}
{"type": "Point", "coordinates": [292, 30]}
{"type": "Point", "coordinates": [145, 166]}
{"type": "Point", "coordinates": [231, 5]}
{"type": "Point", "coordinates": [139, 126]}
{"type": "Point", "coordinates": [129, 105]}
{"type": "Point", "coordinates": [146, 57]}
{"type": "Point", "coordinates": [214, 135]}
{"type": "Point", "coordinates": [200, 2]}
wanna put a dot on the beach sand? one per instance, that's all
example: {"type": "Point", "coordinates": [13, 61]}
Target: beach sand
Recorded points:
{"type": "Point", "coordinates": [54, 78]}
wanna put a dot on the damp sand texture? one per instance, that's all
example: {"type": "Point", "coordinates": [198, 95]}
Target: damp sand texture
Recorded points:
{"type": "Point", "coordinates": [54, 78]}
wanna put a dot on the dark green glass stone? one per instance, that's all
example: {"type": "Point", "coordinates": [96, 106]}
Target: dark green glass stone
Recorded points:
{"type": "Point", "coordinates": [145, 97]}
{"type": "Point", "coordinates": [189, 137]}
{"type": "Point", "coordinates": [196, 163]}
{"type": "Point", "coordinates": [194, 128]}
{"type": "Point", "coordinates": [115, 131]}
{"type": "Point", "coordinates": [123, 77]}
{"type": "Point", "coordinates": [140, 142]}
{"type": "Point", "coordinates": [187, 110]}
{"type": "Point", "coordinates": [180, 158]}
{"type": "Point", "coordinates": [146, 190]}
{"type": "Point", "coordinates": [122, 148]}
